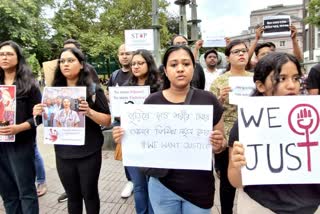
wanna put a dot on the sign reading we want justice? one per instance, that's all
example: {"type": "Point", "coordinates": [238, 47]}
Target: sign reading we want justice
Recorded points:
{"type": "Point", "coordinates": [167, 136]}
{"type": "Point", "coordinates": [281, 137]}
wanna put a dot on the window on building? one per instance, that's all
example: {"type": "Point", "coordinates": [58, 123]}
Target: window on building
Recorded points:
{"type": "Point", "coordinates": [282, 43]}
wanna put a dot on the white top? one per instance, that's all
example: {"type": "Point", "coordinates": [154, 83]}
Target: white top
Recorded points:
{"type": "Point", "coordinates": [210, 77]}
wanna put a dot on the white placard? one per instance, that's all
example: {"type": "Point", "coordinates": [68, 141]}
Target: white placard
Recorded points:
{"type": "Point", "coordinates": [63, 123]}
{"type": "Point", "coordinates": [213, 41]}
{"type": "Point", "coordinates": [281, 136]}
{"type": "Point", "coordinates": [240, 86]}
{"type": "Point", "coordinates": [139, 39]}
{"type": "Point", "coordinates": [167, 136]}
{"type": "Point", "coordinates": [276, 26]}
{"type": "Point", "coordinates": [126, 95]}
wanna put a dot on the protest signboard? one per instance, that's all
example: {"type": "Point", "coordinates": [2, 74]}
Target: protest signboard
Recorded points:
{"type": "Point", "coordinates": [281, 138]}
{"type": "Point", "coordinates": [63, 123]}
{"type": "Point", "coordinates": [7, 109]}
{"type": "Point", "coordinates": [126, 95]}
{"type": "Point", "coordinates": [167, 136]}
{"type": "Point", "coordinates": [276, 26]}
{"type": "Point", "coordinates": [240, 86]}
{"type": "Point", "coordinates": [139, 39]}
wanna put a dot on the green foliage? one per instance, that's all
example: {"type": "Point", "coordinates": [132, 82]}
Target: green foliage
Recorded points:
{"type": "Point", "coordinates": [98, 25]}
{"type": "Point", "coordinates": [314, 13]}
{"type": "Point", "coordinates": [22, 22]}
{"type": "Point", "coordinates": [34, 64]}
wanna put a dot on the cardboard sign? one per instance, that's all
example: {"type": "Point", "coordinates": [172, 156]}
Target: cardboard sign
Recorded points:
{"type": "Point", "coordinates": [49, 68]}
{"type": "Point", "coordinates": [139, 39]}
{"type": "Point", "coordinates": [281, 137]}
{"type": "Point", "coordinates": [276, 26]}
{"type": "Point", "coordinates": [167, 136]}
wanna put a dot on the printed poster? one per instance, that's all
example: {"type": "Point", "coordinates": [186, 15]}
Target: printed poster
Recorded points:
{"type": "Point", "coordinates": [63, 123]}
{"type": "Point", "coordinates": [7, 109]}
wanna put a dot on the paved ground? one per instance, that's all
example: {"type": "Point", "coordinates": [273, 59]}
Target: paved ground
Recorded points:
{"type": "Point", "coordinates": [111, 182]}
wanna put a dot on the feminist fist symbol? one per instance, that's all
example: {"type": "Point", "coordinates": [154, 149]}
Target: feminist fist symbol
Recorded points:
{"type": "Point", "coordinates": [305, 122]}
{"type": "Point", "coordinates": [305, 119]}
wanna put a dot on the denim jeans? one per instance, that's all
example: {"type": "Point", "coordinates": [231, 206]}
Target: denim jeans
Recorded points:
{"type": "Point", "coordinates": [164, 201]}
{"type": "Point", "coordinates": [40, 171]}
{"type": "Point", "coordinates": [140, 191]}
{"type": "Point", "coordinates": [17, 178]}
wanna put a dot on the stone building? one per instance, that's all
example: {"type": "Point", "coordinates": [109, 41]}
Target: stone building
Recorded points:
{"type": "Point", "coordinates": [284, 43]}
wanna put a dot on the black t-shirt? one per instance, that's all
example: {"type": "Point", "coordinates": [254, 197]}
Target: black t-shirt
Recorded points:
{"type": "Point", "coordinates": [285, 198]}
{"type": "Point", "coordinates": [120, 79]}
{"type": "Point", "coordinates": [93, 134]}
{"type": "Point", "coordinates": [313, 80]}
{"type": "Point", "coordinates": [196, 186]}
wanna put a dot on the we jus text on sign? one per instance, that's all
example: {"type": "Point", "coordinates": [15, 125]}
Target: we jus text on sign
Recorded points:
{"type": "Point", "coordinates": [281, 137]}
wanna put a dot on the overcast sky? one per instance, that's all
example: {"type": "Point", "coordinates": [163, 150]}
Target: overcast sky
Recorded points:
{"type": "Point", "coordinates": [228, 17]}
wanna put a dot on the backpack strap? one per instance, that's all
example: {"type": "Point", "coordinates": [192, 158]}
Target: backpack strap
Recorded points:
{"type": "Point", "coordinates": [114, 76]}
{"type": "Point", "coordinates": [189, 96]}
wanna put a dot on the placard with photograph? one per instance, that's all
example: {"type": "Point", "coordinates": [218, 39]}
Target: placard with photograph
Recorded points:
{"type": "Point", "coordinates": [63, 123]}
{"type": "Point", "coordinates": [7, 109]}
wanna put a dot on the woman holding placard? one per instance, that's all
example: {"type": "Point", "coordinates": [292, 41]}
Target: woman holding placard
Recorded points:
{"type": "Point", "coordinates": [17, 169]}
{"type": "Point", "coordinates": [79, 166]}
{"type": "Point", "coordinates": [183, 191]}
{"type": "Point", "coordinates": [277, 74]}
{"type": "Point", "coordinates": [237, 56]}
{"type": "Point", "coordinates": [144, 72]}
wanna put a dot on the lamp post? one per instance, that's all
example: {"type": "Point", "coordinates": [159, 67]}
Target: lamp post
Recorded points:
{"type": "Point", "coordinates": [183, 30]}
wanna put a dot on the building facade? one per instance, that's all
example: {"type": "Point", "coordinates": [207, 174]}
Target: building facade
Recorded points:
{"type": "Point", "coordinates": [284, 43]}
{"type": "Point", "coordinates": [311, 45]}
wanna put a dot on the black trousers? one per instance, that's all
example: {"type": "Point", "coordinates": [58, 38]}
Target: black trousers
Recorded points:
{"type": "Point", "coordinates": [79, 178]}
{"type": "Point", "coordinates": [227, 191]}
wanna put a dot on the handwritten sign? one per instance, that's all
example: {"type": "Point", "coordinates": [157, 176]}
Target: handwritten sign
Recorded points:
{"type": "Point", "coordinates": [63, 123]}
{"type": "Point", "coordinates": [126, 95]}
{"type": "Point", "coordinates": [213, 41]}
{"type": "Point", "coordinates": [139, 39]}
{"type": "Point", "coordinates": [281, 137]}
{"type": "Point", "coordinates": [240, 86]}
{"type": "Point", "coordinates": [276, 26]}
{"type": "Point", "coordinates": [167, 136]}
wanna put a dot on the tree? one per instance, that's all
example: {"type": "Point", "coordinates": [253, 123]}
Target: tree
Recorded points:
{"type": "Point", "coordinates": [22, 22]}
{"type": "Point", "coordinates": [314, 13]}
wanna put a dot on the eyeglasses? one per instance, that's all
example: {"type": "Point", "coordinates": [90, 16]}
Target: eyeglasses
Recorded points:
{"type": "Point", "coordinates": [237, 51]}
{"type": "Point", "coordinates": [181, 43]}
{"type": "Point", "coordinates": [139, 64]}
{"type": "Point", "coordinates": [7, 54]}
{"type": "Point", "coordinates": [68, 61]}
